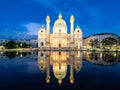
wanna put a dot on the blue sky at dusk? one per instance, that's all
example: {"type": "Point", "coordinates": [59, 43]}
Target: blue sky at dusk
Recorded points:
{"type": "Point", "coordinates": [21, 19]}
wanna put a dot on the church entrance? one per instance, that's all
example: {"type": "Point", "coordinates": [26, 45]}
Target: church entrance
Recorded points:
{"type": "Point", "coordinates": [59, 45]}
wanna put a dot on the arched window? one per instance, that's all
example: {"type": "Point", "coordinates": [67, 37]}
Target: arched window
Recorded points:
{"type": "Point", "coordinates": [59, 30]}
{"type": "Point", "coordinates": [59, 45]}
{"type": "Point", "coordinates": [42, 54]}
{"type": "Point", "coordinates": [42, 43]}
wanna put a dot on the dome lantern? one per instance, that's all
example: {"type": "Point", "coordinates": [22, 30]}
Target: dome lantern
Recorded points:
{"type": "Point", "coordinates": [60, 16]}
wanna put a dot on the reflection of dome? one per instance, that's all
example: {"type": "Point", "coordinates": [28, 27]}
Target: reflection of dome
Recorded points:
{"type": "Point", "coordinates": [59, 71]}
{"type": "Point", "coordinates": [60, 24]}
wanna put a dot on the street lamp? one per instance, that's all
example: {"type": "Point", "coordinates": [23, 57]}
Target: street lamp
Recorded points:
{"type": "Point", "coordinates": [17, 46]}
{"type": "Point", "coordinates": [21, 45]}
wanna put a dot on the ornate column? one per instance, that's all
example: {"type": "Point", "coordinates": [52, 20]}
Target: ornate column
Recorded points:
{"type": "Point", "coordinates": [72, 19]}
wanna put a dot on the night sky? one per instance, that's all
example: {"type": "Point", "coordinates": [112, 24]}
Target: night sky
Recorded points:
{"type": "Point", "coordinates": [22, 19]}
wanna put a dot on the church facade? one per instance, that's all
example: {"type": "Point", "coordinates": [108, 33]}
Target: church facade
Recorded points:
{"type": "Point", "coordinates": [60, 39]}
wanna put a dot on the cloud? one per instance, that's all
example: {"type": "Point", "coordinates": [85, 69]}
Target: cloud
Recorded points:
{"type": "Point", "coordinates": [79, 8]}
{"type": "Point", "coordinates": [28, 31]}
{"type": "Point", "coordinates": [60, 5]}
{"type": "Point", "coordinates": [32, 28]}
{"type": "Point", "coordinates": [48, 4]}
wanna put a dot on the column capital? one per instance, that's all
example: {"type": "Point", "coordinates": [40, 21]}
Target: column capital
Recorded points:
{"type": "Point", "coordinates": [72, 19]}
{"type": "Point", "coordinates": [48, 18]}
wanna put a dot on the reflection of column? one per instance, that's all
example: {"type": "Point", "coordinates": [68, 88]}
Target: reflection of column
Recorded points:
{"type": "Point", "coordinates": [79, 45]}
{"type": "Point", "coordinates": [47, 70]}
{"type": "Point", "coordinates": [71, 71]}
{"type": "Point", "coordinates": [78, 54]}
{"type": "Point", "coordinates": [78, 61]}
{"type": "Point", "coordinates": [41, 61]}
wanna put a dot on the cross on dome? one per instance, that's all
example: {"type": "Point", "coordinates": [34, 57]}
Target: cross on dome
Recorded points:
{"type": "Point", "coordinates": [60, 16]}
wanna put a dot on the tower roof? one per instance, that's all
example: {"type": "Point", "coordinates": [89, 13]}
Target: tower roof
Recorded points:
{"type": "Point", "coordinates": [78, 29]}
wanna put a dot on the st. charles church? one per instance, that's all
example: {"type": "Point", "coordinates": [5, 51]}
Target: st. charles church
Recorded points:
{"type": "Point", "coordinates": [60, 39]}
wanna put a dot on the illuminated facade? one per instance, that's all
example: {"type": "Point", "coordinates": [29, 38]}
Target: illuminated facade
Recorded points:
{"type": "Point", "coordinates": [60, 39]}
{"type": "Point", "coordinates": [60, 62]}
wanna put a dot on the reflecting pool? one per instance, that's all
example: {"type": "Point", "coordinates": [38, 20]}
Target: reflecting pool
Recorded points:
{"type": "Point", "coordinates": [59, 70]}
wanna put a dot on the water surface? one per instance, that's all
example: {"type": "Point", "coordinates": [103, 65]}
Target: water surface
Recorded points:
{"type": "Point", "coordinates": [59, 70]}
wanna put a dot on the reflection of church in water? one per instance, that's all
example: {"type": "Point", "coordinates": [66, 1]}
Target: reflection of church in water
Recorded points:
{"type": "Point", "coordinates": [60, 39]}
{"type": "Point", "coordinates": [60, 62]}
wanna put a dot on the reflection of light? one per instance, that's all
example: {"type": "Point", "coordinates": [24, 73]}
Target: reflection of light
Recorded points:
{"type": "Point", "coordinates": [41, 61]}
{"type": "Point", "coordinates": [48, 79]}
{"type": "Point", "coordinates": [56, 57]}
{"type": "Point", "coordinates": [16, 53]}
{"type": "Point", "coordinates": [62, 58]}
{"type": "Point", "coordinates": [60, 62]}
{"type": "Point", "coordinates": [67, 56]}
{"type": "Point", "coordinates": [78, 62]}
{"type": "Point", "coordinates": [1, 52]}
{"type": "Point", "coordinates": [114, 54]}
{"type": "Point", "coordinates": [100, 55]}
{"type": "Point", "coordinates": [21, 55]}
{"type": "Point", "coordinates": [78, 55]}
{"type": "Point", "coordinates": [72, 80]}
{"type": "Point", "coordinates": [60, 81]}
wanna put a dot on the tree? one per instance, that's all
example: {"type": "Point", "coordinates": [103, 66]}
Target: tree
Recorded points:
{"type": "Point", "coordinates": [24, 45]}
{"type": "Point", "coordinates": [10, 45]}
{"type": "Point", "coordinates": [91, 43]}
{"type": "Point", "coordinates": [94, 43]}
{"type": "Point", "coordinates": [109, 42]}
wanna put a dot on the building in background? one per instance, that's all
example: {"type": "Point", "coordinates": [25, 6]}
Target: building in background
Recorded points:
{"type": "Point", "coordinates": [99, 38]}
{"type": "Point", "coordinates": [3, 42]}
{"type": "Point", "coordinates": [28, 42]}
